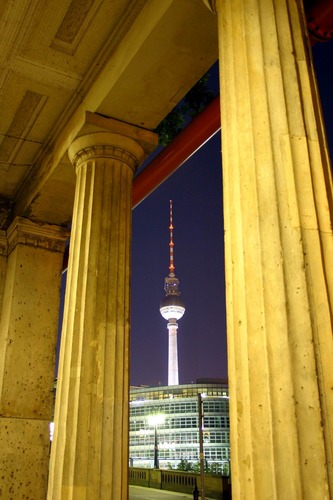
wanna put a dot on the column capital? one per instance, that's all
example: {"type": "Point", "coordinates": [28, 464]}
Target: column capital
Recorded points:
{"type": "Point", "coordinates": [106, 145]}
{"type": "Point", "coordinates": [103, 137]}
{"type": "Point", "coordinates": [211, 4]}
{"type": "Point", "coordinates": [47, 236]}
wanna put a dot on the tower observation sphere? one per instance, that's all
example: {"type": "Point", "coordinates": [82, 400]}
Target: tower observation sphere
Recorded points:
{"type": "Point", "coordinates": [172, 309]}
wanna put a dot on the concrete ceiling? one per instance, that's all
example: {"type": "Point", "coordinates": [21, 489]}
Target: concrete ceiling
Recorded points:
{"type": "Point", "coordinates": [62, 60]}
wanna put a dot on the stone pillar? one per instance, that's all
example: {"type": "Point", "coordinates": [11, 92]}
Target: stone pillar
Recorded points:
{"type": "Point", "coordinates": [278, 246]}
{"type": "Point", "coordinates": [28, 335]}
{"type": "Point", "coordinates": [89, 457]}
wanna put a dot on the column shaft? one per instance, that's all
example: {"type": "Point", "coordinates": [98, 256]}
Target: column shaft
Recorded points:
{"type": "Point", "coordinates": [89, 457]}
{"type": "Point", "coordinates": [278, 245]}
{"type": "Point", "coordinates": [28, 335]}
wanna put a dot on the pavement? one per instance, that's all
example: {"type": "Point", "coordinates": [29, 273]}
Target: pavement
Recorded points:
{"type": "Point", "coordinates": [141, 493]}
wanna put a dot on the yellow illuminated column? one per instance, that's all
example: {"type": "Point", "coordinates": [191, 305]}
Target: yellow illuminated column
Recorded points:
{"type": "Point", "coordinates": [278, 245]}
{"type": "Point", "coordinates": [30, 269]}
{"type": "Point", "coordinates": [89, 456]}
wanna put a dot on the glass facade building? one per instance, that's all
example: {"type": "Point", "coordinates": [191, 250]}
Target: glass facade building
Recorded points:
{"type": "Point", "coordinates": [175, 429]}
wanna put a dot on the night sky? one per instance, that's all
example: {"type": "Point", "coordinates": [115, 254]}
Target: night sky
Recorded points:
{"type": "Point", "coordinates": [195, 190]}
{"type": "Point", "coordinates": [198, 259]}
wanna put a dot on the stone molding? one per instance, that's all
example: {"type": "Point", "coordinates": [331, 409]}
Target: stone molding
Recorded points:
{"type": "Point", "coordinates": [39, 235]}
{"type": "Point", "coordinates": [103, 152]}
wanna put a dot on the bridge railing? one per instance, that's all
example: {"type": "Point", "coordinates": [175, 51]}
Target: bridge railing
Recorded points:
{"type": "Point", "coordinates": [216, 487]}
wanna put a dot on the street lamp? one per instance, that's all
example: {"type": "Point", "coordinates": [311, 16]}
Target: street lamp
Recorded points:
{"type": "Point", "coordinates": [154, 421]}
{"type": "Point", "coordinates": [202, 469]}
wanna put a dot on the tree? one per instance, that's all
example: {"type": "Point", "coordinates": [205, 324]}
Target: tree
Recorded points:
{"type": "Point", "coordinates": [194, 102]}
{"type": "Point", "coordinates": [185, 465]}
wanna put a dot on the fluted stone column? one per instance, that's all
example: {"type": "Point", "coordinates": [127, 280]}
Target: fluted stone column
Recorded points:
{"type": "Point", "coordinates": [89, 457]}
{"type": "Point", "coordinates": [278, 245]}
{"type": "Point", "coordinates": [30, 265]}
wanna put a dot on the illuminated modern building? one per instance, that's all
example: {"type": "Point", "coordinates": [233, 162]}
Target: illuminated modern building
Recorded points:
{"type": "Point", "coordinates": [172, 309]}
{"type": "Point", "coordinates": [177, 425]}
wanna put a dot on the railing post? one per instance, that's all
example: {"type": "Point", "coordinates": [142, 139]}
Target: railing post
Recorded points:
{"type": "Point", "coordinates": [195, 491]}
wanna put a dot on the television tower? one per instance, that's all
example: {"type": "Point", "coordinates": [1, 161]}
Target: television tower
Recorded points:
{"type": "Point", "coordinates": [172, 309]}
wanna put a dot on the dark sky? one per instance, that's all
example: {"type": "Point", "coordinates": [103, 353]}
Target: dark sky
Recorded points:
{"type": "Point", "coordinates": [198, 258]}
{"type": "Point", "coordinates": [198, 235]}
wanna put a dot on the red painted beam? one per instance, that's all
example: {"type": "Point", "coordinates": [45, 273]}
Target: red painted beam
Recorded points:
{"type": "Point", "coordinates": [206, 124]}
{"type": "Point", "coordinates": [319, 16]}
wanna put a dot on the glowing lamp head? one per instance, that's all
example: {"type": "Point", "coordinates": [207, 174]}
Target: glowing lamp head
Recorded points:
{"type": "Point", "coordinates": [156, 419]}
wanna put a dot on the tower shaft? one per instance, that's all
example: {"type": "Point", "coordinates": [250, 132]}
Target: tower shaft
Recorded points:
{"type": "Point", "coordinates": [173, 377]}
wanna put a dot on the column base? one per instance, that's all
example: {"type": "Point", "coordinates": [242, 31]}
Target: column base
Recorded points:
{"type": "Point", "coordinates": [24, 456]}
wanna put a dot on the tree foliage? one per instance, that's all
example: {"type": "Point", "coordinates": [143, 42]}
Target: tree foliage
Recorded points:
{"type": "Point", "coordinates": [185, 465]}
{"type": "Point", "coordinates": [215, 468]}
{"type": "Point", "coordinates": [192, 104]}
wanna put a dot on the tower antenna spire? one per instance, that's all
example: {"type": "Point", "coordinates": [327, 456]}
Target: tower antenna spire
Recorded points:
{"type": "Point", "coordinates": [171, 245]}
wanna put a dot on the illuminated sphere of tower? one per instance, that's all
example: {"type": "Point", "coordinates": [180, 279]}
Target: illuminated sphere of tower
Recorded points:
{"type": "Point", "coordinates": [172, 307]}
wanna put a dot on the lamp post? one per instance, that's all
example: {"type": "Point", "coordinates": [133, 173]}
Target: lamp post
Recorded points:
{"type": "Point", "coordinates": [202, 466]}
{"type": "Point", "coordinates": [154, 421]}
